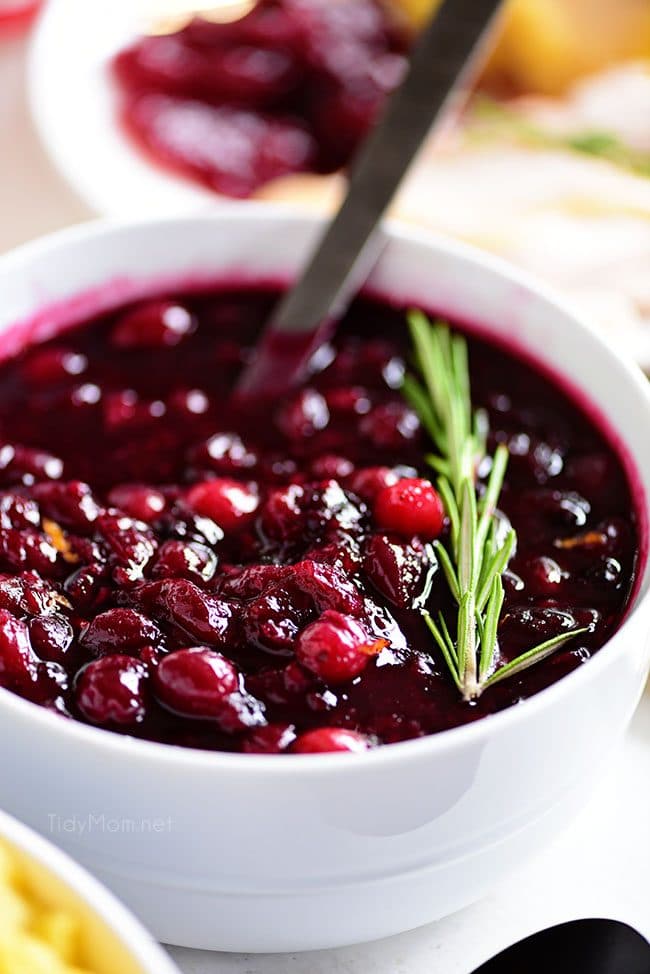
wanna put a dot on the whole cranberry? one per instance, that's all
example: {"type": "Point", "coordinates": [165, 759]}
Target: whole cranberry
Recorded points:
{"type": "Point", "coordinates": [25, 464]}
{"type": "Point", "coordinates": [390, 426]}
{"type": "Point", "coordinates": [185, 559]}
{"type": "Point", "coordinates": [326, 739]}
{"type": "Point", "coordinates": [227, 502]}
{"type": "Point", "coordinates": [224, 453]}
{"type": "Point", "coordinates": [412, 506]}
{"type": "Point", "coordinates": [18, 512]}
{"type": "Point", "coordinates": [70, 503]}
{"type": "Point", "coordinates": [272, 739]}
{"type": "Point", "coordinates": [331, 467]}
{"type": "Point", "coordinates": [51, 636]}
{"type": "Point", "coordinates": [18, 663]}
{"type": "Point", "coordinates": [153, 325]}
{"type": "Point", "coordinates": [368, 481]}
{"type": "Point", "coordinates": [86, 588]}
{"type": "Point", "coordinates": [112, 690]}
{"type": "Point", "coordinates": [336, 647]}
{"type": "Point", "coordinates": [138, 501]}
{"type": "Point", "coordinates": [543, 576]}
{"type": "Point", "coordinates": [119, 631]}
{"type": "Point", "coordinates": [282, 512]}
{"type": "Point", "coordinates": [348, 400]}
{"type": "Point", "coordinates": [52, 364]}
{"type": "Point", "coordinates": [30, 550]}
{"type": "Point", "coordinates": [196, 682]}
{"type": "Point", "coordinates": [303, 415]}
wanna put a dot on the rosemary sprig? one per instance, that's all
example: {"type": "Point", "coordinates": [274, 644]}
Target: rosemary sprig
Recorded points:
{"type": "Point", "coordinates": [477, 556]}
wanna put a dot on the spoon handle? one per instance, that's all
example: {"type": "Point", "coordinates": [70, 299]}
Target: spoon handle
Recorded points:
{"type": "Point", "coordinates": [444, 55]}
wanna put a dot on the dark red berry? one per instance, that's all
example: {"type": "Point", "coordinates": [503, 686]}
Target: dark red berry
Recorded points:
{"type": "Point", "coordinates": [227, 502]}
{"type": "Point", "coordinates": [396, 570]}
{"type": "Point", "coordinates": [51, 636]}
{"type": "Point", "coordinates": [328, 587]}
{"type": "Point", "coordinates": [71, 503]}
{"type": "Point", "coordinates": [326, 739]}
{"type": "Point", "coordinates": [367, 482]}
{"type": "Point", "coordinates": [331, 467]}
{"type": "Point", "coordinates": [185, 559]}
{"type": "Point", "coordinates": [282, 512]}
{"type": "Point", "coordinates": [272, 621]}
{"type": "Point", "coordinates": [53, 364]}
{"type": "Point", "coordinates": [304, 415]}
{"type": "Point", "coordinates": [112, 690]}
{"type": "Point", "coordinates": [119, 631]}
{"type": "Point", "coordinates": [23, 464]}
{"type": "Point", "coordinates": [18, 663]}
{"type": "Point", "coordinates": [152, 325]}
{"type": "Point", "coordinates": [272, 739]}
{"type": "Point", "coordinates": [204, 617]}
{"type": "Point", "coordinates": [224, 454]}
{"type": "Point", "coordinates": [138, 501]}
{"type": "Point", "coordinates": [197, 682]}
{"type": "Point", "coordinates": [390, 426]}
{"type": "Point", "coordinates": [130, 543]}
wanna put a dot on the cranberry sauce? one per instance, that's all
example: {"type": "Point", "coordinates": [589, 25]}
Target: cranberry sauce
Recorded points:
{"type": "Point", "coordinates": [294, 86]}
{"type": "Point", "coordinates": [178, 569]}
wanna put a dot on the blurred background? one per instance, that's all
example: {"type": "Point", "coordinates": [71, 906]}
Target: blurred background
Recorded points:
{"type": "Point", "coordinates": [549, 165]}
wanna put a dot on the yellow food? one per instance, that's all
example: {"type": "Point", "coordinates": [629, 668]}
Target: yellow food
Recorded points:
{"type": "Point", "coordinates": [545, 45]}
{"type": "Point", "coordinates": [34, 939]}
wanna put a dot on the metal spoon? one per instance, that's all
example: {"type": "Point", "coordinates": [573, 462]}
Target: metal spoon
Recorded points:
{"type": "Point", "coordinates": [443, 57]}
{"type": "Point", "coordinates": [577, 947]}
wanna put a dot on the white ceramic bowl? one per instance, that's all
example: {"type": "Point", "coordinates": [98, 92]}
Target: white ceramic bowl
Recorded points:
{"type": "Point", "coordinates": [265, 853]}
{"type": "Point", "coordinates": [111, 938]}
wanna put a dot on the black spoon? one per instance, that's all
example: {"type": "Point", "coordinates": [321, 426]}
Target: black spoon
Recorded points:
{"type": "Point", "coordinates": [577, 947]}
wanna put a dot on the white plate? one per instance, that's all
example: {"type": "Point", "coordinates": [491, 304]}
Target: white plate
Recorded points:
{"type": "Point", "coordinates": [74, 105]}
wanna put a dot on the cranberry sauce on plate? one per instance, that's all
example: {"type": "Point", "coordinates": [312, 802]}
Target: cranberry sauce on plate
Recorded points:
{"type": "Point", "coordinates": [293, 86]}
{"type": "Point", "coordinates": [180, 569]}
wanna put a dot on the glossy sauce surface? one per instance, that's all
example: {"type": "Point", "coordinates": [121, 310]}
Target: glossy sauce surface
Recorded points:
{"type": "Point", "coordinates": [180, 569]}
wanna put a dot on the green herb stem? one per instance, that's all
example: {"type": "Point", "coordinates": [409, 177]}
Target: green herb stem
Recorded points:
{"type": "Point", "coordinates": [476, 557]}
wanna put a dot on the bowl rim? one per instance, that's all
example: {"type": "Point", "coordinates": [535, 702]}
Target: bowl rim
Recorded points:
{"type": "Point", "coordinates": [130, 932]}
{"type": "Point", "coordinates": [454, 738]}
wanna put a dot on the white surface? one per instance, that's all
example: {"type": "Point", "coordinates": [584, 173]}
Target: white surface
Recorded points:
{"type": "Point", "coordinates": [601, 865]}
